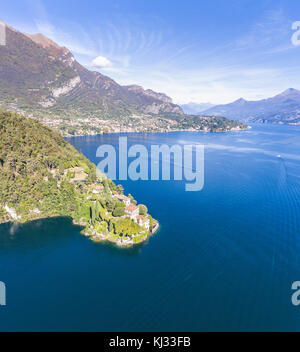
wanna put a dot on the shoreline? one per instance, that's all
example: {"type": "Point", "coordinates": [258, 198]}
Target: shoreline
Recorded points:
{"type": "Point", "coordinates": [16, 222]}
{"type": "Point", "coordinates": [154, 132]}
{"type": "Point", "coordinates": [97, 238]}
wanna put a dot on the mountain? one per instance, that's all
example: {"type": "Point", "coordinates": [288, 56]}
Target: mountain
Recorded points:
{"type": "Point", "coordinates": [42, 176]}
{"type": "Point", "coordinates": [195, 108]}
{"type": "Point", "coordinates": [41, 79]}
{"type": "Point", "coordinates": [55, 80]}
{"type": "Point", "coordinates": [283, 108]}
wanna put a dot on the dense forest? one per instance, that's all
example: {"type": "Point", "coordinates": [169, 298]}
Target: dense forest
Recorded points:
{"type": "Point", "coordinates": [30, 153]}
{"type": "Point", "coordinates": [42, 175]}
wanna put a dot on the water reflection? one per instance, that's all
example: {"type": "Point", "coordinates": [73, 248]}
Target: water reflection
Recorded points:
{"type": "Point", "coordinates": [51, 232]}
{"type": "Point", "coordinates": [36, 233]}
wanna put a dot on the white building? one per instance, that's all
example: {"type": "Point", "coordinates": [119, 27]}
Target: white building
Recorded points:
{"type": "Point", "coordinates": [133, 211]}
{"type": "Point", "coordinates": [124, 199]}
{"type": "Point", "coordinates": [98, 189]}
{"type": "Point", "coordinates": [143, 222]}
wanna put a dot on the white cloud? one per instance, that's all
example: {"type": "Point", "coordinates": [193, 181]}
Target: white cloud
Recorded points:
{"type": "Point", "coordinates": [185, 68]}
{"type": "Point", "coordinates": [101, 62]}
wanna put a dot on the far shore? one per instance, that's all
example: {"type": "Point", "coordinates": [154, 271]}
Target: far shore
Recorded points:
{"type": "Point", "coordinates": [155, 132]}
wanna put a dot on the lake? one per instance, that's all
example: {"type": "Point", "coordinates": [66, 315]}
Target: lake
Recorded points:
{"type": "Point", "coordinates": [224, 258]}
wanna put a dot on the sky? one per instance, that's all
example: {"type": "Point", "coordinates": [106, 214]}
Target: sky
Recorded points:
{"type": "Point", "coordinates": [193, 50]}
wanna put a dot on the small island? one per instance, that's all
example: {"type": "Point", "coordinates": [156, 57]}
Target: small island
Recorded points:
{"type": "Point", "coordinates": [42, 176]}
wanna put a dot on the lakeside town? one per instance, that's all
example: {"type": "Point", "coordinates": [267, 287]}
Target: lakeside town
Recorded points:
{"type": "Point", "coordinates": [136, 123]}
{"type": "Point", "coordinates": [92, 124]}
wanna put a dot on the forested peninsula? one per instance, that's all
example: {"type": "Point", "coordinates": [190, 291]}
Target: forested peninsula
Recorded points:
{"type": "Point", "coordinates": [42, 175]}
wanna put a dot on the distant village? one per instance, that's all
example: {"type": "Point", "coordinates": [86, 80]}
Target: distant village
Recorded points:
{"type": "Point", "coordinates": [92, 125]}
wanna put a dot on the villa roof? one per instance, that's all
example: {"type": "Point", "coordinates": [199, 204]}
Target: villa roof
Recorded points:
{"type": "Point", "coordinates": [131, 208]}
{"type": "Point", "coordinates": [99, 187]}
{"type": "Point", "coordinates": [122, 197]}
{"type": "Point", "coordinates": [75, 169]}
{"type": "Point", "coordinates": [79, 177]}
{"type": "Point", "coordinates": [142, 219]}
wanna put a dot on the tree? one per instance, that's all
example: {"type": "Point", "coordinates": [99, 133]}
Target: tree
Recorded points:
{"type": "Point", "coordinates": [106, 185]}
{"type": "Point", "coordinates": [112, 185]}
{"type": "Point", "coordinates": [133, 201]}
{"type": "Point", "coordinates": [93, 213]}
{"type": "Point", "coordinates": [110, 226]}
{"type": "Point", "coordinates": [118, 212]}
{"type": "Point", "coordinates": [120, 189]}
{"type": "Point", "coordinates": [119, 205]}
{"type": "Point", "coordinates": [143, 210]}
{"type": "Point", "coordinates": [91, 177]}
{"type": "Point", "coordinates": [98, 209]}
{"type": "Point", "coordinates": [110, 204]}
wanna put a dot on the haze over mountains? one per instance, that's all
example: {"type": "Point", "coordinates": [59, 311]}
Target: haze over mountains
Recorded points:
{"type": "Point", "coordinates": [283, 108]}
{"type": "Point", "coordinates": [196, 108]}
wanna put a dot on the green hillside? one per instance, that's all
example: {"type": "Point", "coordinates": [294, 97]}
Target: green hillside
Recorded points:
{"type": "Point", "coordinates": [41, 175]}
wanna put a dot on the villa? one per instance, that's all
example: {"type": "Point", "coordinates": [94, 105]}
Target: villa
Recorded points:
{"type": "Point", "coordinates": [98, 189]}
{"type": "Point", "coordinates": [76, 169]}
{"type": "Point", "coordinates": [143, 222]}
{"type": "Point", "coordinates": [80, 177]}
{"type": "Point", "coordinates": [124, 199]}
{"type": "Point", "coordinates": [78, 174]}
{"type": "Point", "coordinates": [133, 211]}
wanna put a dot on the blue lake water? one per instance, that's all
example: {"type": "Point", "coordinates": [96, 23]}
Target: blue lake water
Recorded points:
{"type": "Point", "coordinates": [224, 258]}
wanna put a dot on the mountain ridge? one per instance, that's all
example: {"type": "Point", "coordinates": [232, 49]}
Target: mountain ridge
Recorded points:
{"type": "Point", "coordinates": [76, 81]}
{"type": "Point", "coordinates": [40, 79]}
{"type": "Point", "coordinates": [283, 108]}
